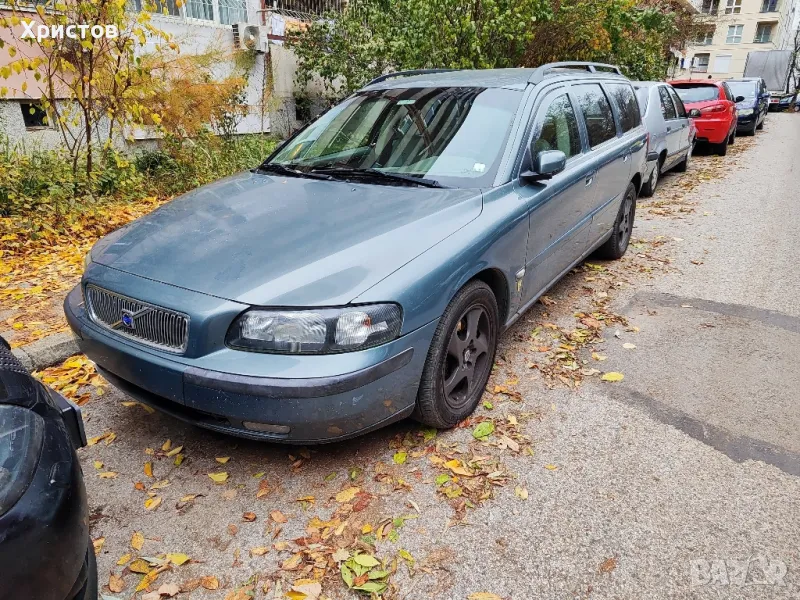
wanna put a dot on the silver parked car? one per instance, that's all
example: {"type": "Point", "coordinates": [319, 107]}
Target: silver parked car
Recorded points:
{"type": "Point", "coordinates": [672, 132]}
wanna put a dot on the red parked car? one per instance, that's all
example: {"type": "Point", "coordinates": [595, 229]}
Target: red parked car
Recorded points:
{"type": "Point", "coordinates": [713, 108]}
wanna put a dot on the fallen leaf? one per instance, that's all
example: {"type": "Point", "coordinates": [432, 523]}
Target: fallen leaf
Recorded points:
{"type": "Point", "coordinates": [222, 459]}
{"type": "Point", "coordinates": [98, 545]}
{"type": "Point", "coordinates": [137, 540]}
{"type": "Point", "coordinates": [521, 493]}
{"type": "Point", "coordinates": [292, 562]}
{"type": "Point", "coordinates": [483, 596]}
{"type": "Point", "coordinates": [98, 465]}
{"type": "Point", "coordinates": [148, 469]}
{"type": "Point", "coordinates": [628, 346]}
{"type": "Point", "coordinates": [365, 560]}
{"type": "Point", "coordinates": [123, 560]}
{"type": "Point", "coordinates": [400, 457]}
{"type": "Point", "coordinates": [249, 517]}
{"type": "Point", "coordinates": [116, 583]}
{"type": "Point", "coordinates": [107, 475]}
{"type": "Point", "coordinates": [152, 503]}
{"type": "Point", "coordinates": [178, 558]}
{"type": "Point", "coordinates": [278, 517]}
{"type": "Point", "coordinates": [347, 495]}
{"type": "Point", "coordinates": [340, 555]}
{"type": "Point", "coordinates": [174, 451]}
{"type": "Point", "coordinates": [169, 590]}
{"type": "Point", "coordinates": [220, 477]}
{"type": "Point", "coordinates": [263, 489]}
{"type": "Point", "coordinates": [259, 551]}
{"type": "Point", "coordinates": [209, 582]}
{"type": "Point", "coordinates": [612, 376]}
{"type": "Point", "coordinates": [551, 467]}
{"type": "Point", "coordinates": [139, 566]}
{"type": "Point", "coordinates": [166, 445]}
{"type": "Point", "coordinates": [305, 591]}
{"type": "Point", "coordinates": [483, 430]}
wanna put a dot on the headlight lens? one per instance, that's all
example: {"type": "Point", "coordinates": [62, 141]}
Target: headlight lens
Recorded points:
{"type": "Point", "coordinates": [744, 112]}
{"type": "Point", "coordinates": [21, 435]}
{"type": "Point", "coordinates": [315, 331]}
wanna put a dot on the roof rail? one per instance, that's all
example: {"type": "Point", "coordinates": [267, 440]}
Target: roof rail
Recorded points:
{"type": "Point", "coordinates": [593, 67]}
{"type": "Point", "coordinates": [410, 73]}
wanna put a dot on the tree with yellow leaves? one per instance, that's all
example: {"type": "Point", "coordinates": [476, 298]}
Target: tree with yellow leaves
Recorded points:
{"type": "Point", "coordinates": [85, 58]}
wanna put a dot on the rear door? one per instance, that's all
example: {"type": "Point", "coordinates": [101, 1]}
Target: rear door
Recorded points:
{"type": "Point", "coordinates": [611, 157]}
{"type": "Point", "coordinates": [682, 122]}
{"type": "Point", "coordinates": [673, 126]}
{"type": "Point", "coordinates": [560, 207]}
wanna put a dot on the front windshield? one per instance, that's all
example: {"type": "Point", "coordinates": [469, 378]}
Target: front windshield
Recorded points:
{"type": "Point", "coordinates": [454, 136]}
{"type": "Point", "coordinates": [743, 88]}
{"type": "Point", "coordinates": [696, 93]}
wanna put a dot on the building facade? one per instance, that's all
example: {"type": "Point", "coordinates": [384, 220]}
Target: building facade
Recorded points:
{"type": "Point", "coordinates": [730, 30]}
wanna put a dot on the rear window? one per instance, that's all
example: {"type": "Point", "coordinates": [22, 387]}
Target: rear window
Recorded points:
{"type": "Point", "coordinates": [696, 92]}
{"type": "Point", "coordinates": [626, 103]}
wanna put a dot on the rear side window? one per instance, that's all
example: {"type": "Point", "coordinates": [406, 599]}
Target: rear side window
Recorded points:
{"type": "Point", "coordinates": [560, 129]}
{"type": "Point", "coordinates": [728, 93]}
{"type": "Point", "coordinates": [596, 112]}
{"type": "Point", "coordinates": [678, 103]}
{"type": "Point", "coordinates": [667, 107]}
{"type": "Point", "coordinates": [643, 96]}
{"type": "Point", "coordinates": [627, 106]}
{"type": "Point", "coordinates": [699, 92]}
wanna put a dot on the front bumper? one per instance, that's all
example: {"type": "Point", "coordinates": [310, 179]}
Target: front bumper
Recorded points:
{"type": "Point", "coordinates": [338, 396]}
{"type": "Point", "coordinates": [44, 538]}
{"type": "Point", "coordinates": [747, 123]}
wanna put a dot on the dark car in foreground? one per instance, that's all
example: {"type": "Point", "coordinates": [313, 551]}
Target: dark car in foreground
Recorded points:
{"type": "Point", "coordinates": [364, 272]}
{"type": "Point", "coordinates": [751, 111]}
{"type": "Point", "coordinates": [45, 551]}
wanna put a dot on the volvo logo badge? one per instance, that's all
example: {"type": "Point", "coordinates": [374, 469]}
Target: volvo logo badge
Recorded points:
{"type": "Point", "coordinates": [128, 319]}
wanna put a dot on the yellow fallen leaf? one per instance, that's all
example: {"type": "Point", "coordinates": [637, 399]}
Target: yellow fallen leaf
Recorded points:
{"type": "Point", "coordinates": [137, 541]}
{"type": "Point", "coordinates": [612, 376]}
{"type": "Point", "coordinates": [166, 445]}
{"type": "Point", "coordinates": [292, 562]}
{"type": "Point", "coordinates": [551, 467]}
{"type": "Point", "coordinates": [366, 529]}
{"type": "Point", "coordinates": [147, 580]}
{"type": "Point", "coordinates": [148, 469]}
{"type": "Point", "coordinates": [98, 465]}
{"type": "Point", "coordinates": [347, 495]}
{"type": "Point", "coordinates": [139, 566]}
{"type": "Point", "coordinates": [220, 477]}
{"type": "Point", "coordinates": [259, 551]}
{"type": "Point", "coordinates": [174, 451]}
{"type": "Point", "coordinates": [98, 545]}
{"type": "Point", "coordinates": [107, 475]}
{"type": "Point", "coordinates": [123, 560]}
{"type": "Point", "coordinates": [209, 582]}
{"type": "Point", "coordinates": [483, 596]}
{"type": "Point", "coordinates": [222, 459]}
{"type": "Point", "coordinates": [177, 558]}
{"type": "Point", "coordinates": [179, 460]}
{"type": "Point", "coordinates": [152, 503]}
{"type": "Point", "coordinates": [521, 493]}
{"type": "Point", "coordinates": [455, 466]}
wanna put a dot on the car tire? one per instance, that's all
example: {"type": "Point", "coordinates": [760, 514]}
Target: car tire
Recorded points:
{"type": "Point", "coordinates": [616, 246]}
{"type": "Point", "coordinates": [732, 139]}
{"type": "Point", "coordinates": [457, 368]}
{"type": "Point", "coordinates": [682, 166]}
{"type": "Point", "coordinates": [90, 588]}
{"type": "Point", "coordinates": [760, 126]}
{"type": "Point", "coordinates": [722, 149]}
{"type": "Point", "coordinates": [649, 188]}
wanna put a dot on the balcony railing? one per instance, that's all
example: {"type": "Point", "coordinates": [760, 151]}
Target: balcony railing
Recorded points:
{"type": "Point", "coordinates": [316, 7]}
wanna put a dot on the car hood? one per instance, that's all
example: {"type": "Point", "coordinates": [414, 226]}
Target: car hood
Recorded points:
{"type": "Point", "coordinates": [286, 241]}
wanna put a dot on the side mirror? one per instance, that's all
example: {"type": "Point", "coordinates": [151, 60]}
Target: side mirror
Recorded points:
{"type": "Point", "coordinates": [739, 99]}
{"type": "Point", "coordinates": [545, 164]}
{"type": "Point", "coordinates": [695, 113]}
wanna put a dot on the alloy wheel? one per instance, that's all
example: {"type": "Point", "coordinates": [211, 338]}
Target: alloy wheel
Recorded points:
{"type": "Point", "coordinates": [466, 363]}
{"type": "Point", "coordinates": [625, 226]}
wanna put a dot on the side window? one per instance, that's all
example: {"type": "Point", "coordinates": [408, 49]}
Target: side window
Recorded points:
{"type": "Point", "coordinates": [627, 105]}
{"type": "Point", "coordinates": [678, 103]}
{"type": "Point", "coordinates": [727, 90]}
{"type": "Point", "coordinates": [667, 107]}
{"type": "Point", "coordinates": [559, 129]}
{"type": "Point", "coordinates": [596, 113]}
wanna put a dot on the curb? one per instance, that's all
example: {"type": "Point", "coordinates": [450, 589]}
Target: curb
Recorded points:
{"type": "Point", "coordinates": [47, 352]}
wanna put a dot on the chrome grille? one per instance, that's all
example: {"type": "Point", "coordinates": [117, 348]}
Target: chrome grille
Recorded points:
{"type": "Point", "coordinates": [146, 323]}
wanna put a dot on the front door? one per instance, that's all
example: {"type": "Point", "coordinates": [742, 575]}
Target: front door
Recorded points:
{"type": "Point", "coordinates": [559, 208]}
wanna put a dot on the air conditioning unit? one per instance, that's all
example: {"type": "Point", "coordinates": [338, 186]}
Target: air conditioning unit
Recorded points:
{"type": "Point", "coordinates": [250, 37]}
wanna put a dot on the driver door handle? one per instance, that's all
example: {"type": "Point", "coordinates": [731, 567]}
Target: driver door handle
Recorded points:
{"type": "Point", "coordinates": [589, 180]}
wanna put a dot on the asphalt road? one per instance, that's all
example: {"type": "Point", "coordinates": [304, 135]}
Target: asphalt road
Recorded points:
{"type": "Point", "coordinates": [681, 481]}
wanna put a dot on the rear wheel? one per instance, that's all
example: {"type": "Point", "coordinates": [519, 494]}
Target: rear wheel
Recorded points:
{"type": "Point", "coordinates": [89, 590]}
{"type": "Point", "coordinates": [460, 358]}
{"type": "Point", "coordinates": [649, 188]}
{"type": "Point", "coordinates": [761, 125]}
{"type": "Point", "coordinates": [732, 138]}
{"type": "Point", "coordinates": [617, 244]}
{"type": "Point", "coordinates": [684, 164]}
{"type": "Point", "coordinates": [722, 149]}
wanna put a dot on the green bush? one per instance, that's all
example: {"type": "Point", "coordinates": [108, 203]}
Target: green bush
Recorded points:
{"type": "Point", "coordinates": [42, 181]}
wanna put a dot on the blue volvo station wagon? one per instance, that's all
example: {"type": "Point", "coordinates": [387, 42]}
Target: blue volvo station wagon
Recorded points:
{"type": "Point", "coordinates": [364, 271]}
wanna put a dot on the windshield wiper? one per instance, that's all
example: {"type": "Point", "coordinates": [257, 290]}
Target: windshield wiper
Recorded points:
{"type": "Point", "coordinates": [377, 174]}
{"type": "Point", "coordinates": [290, 169]}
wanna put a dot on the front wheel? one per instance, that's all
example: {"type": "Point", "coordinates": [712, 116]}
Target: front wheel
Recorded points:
{"type": "Point", "coordinates": [460, 358]}
{"type": "Point", "coordinates": [682, 166]}
{"type": "Point", "coordinates": [616, 246]}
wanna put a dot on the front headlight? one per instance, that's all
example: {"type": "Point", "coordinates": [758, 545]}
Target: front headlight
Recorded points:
{"type": "Point", "coordinates": [21, 436]}
{"type": "Point", "coordinates": [745, 112]}
{"type": "Point", "coordinates": [315, 331]}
